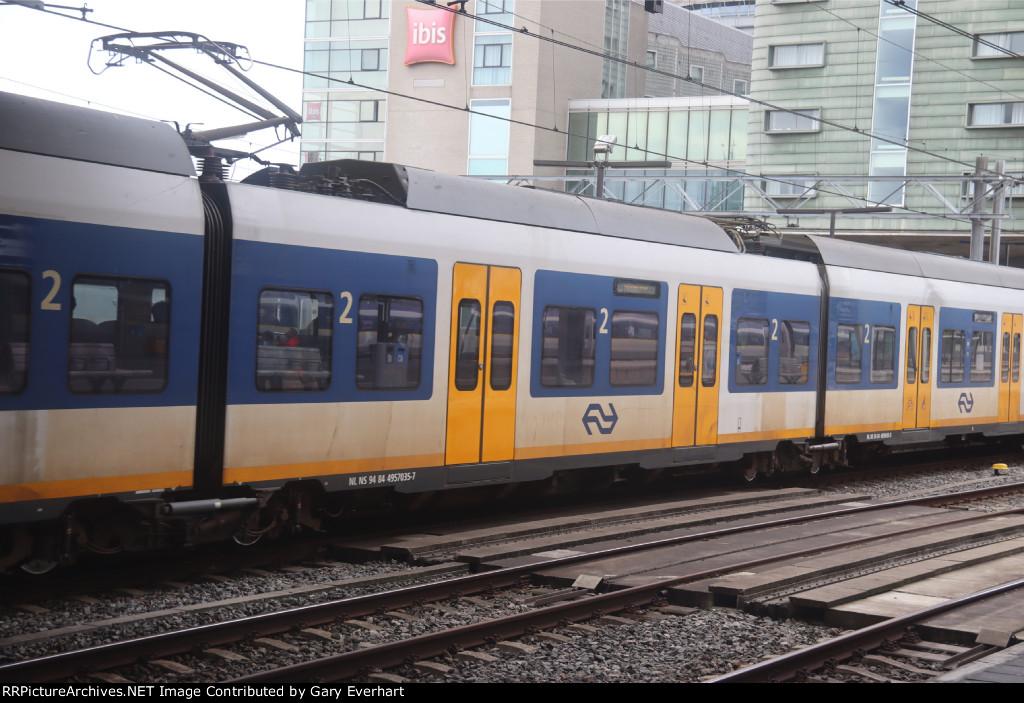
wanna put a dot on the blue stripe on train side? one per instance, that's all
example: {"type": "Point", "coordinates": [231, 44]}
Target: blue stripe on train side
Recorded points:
{"type": "Point", "coordinates": [864, 316]}
{"type": "Point", "coordinates": [556, 288]}
{"type": "Point", "coordinates": [261, 265]}
{"type": "Point", "coordinates": [971, 323]}
{"type": "Point", "coordinates": [777, 309]}
{"type": "Point", "coordinates": [38, 246]}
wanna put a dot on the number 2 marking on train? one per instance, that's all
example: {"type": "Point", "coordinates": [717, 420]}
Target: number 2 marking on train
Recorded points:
{"type": "Point", "coordinates": [48, 303]}
{"type": "Point", "coordinates": [345, 319]}
{"type": "Point", "coordinates": [604, 321]}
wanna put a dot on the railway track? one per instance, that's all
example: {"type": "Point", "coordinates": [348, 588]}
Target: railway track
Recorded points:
{"type": "Point", "coordinates": [317, 632]}
{"type": "Point", "coordinates": [846, 657]}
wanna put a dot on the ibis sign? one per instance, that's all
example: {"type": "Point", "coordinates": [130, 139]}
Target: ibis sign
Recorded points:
{"type": "Point", "coordinates": [430, 36]}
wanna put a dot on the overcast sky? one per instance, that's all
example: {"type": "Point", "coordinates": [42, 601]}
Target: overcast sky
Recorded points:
{"type": "Point", "coordinates": [47, 56]}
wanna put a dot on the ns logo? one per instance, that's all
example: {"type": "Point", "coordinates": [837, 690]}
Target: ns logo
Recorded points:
{"type": "Point", "coordinates": [966, 402]}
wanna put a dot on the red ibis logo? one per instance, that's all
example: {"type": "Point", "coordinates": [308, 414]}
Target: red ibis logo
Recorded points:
{"type": "Point", "coordinates": [430, 36]}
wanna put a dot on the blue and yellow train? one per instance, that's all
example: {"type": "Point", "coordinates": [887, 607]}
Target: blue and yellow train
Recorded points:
{"type": "Point", "coordinates": [185, 358]}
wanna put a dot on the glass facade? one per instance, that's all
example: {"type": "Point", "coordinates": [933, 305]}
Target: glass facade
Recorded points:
{"type": "Point", "coordinates": [701, 133]}
{"type": "Point", "coordinates": [616, 35]}
{"type": "Point", "coordinates": [894, 64]}
{"type": "Point", "coordinates": [346, 40]}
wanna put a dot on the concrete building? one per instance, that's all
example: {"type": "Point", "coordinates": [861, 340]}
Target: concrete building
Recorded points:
{"type": "Point", "coordinates": [483, 66]}
{"type": "Point", "coordinates": [861, 103]}
{"type": "Point", "coordinates": [490, 99]}
{"type": "Point", "coordinates": [714, 56]}
{"type": "Point", "coordinates": [733, 13]}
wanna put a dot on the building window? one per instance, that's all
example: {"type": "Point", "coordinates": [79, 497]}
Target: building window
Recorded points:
{"type": "Point", "coordinates": [488, 137]}
{"type": "Point", "coordinates": [697, 73]}
{"type": "Point", "coordinates": [492, 45]}
{"type": "Point", "coordinates": [370, 60]}
{"type": "Point", "coordinates": [369, 110]}
{"type": "Point", "coordinates": [792, 121]}
{"type": "Point", "coordinates": [796, 56]}
{"type": "Point", "coordinates": [1014, 189]}
{"type": "Point", "coordinates": [739, 87]}
{"type": "Point", "coordinates": [790, 186]}
{"type": "Point", "coordinates": [995, 115]}
{"type": "Point", "coordinates": [652, 59]}
{"type": "Point", "coordinates": [495, 10]}
{"type": "Point", "coordinates": [1010, 41]}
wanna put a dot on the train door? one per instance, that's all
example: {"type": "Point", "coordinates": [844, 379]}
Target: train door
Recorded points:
{"type": "Point", "coordinates": [1009, 369]}
{"type": "Point", "coordinates": [695, 413]}
{"type": "Point", "coordinates": [482, 366]}
{"type": "Point", "coordinates": [917, 389]}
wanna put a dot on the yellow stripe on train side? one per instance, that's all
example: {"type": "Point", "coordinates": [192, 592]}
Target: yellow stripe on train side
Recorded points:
{"type": "Point", "coordinates": [965, 422]}
{"type": "Point", "coordinates": [630, 445]}
{"type": "Point", "coordinates": [737, 437]}
{"type": "Point", "coordinates": [44, 490]}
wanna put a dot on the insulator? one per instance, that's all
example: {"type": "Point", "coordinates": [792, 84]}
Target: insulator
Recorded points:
{"type": "Point", "coordinates": [283, 180]}
{"type": "Point", "coordinates": [213, 169]}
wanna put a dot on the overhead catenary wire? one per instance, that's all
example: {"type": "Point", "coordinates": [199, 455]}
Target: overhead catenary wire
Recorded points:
{"type": "Point", "coordinates": [706, 164]}
{"type": "Point", "coordinates": [635, 64]}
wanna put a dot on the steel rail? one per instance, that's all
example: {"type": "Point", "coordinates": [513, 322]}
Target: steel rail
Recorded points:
{"type": "Point", "coordinates": [795, 663]}
{"type": "Point", "coordinates": [129, 652]}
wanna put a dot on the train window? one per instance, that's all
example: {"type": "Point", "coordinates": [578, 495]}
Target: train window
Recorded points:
{"type": "Point", "coordinates": [926, 355]}
{"type": "Point", "coordinates": [1004, 366]}
{"type": "Point", "coordinates": [119, 337]}
{"type": "Point", "coordinates": [1015, 366]}
{"type": "Point", "coordinates": [567, 355]}
{"type": "Point", "coordinates": [794, 352]}
{"type": "Point", "coordinates": [293, 340]}
{"type": "Point", "coordinates": [503, 330]}
{"type": "Point", "coordinates": [847, 354]}
{"type": "Point", "coordinates": [953, 348]}
{"type": "Point", "coordinates": [709, 358]}
{"type": "Point", "coordinates": [912, 355]}
{"type": "Point", "coordinates": [634, 353]}
{"type": "Point", "coordinates": [751, 351]}
{"type": "Point", "coordinates": [15, 300]}
{"type": "Point", "coordinates": [982, 352]}
{"type": "Point", "coordinates": [687, 348]}
{"type": "Point", "coordinates": [389, 348]}
{"type": "Point", "coordinates": [883, 354]}
{"type": "Point", "coordinates": [467, 346]}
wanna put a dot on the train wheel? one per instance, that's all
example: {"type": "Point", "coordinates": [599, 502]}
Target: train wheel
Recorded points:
{"type": "Point", "coordinates": [39, 567]}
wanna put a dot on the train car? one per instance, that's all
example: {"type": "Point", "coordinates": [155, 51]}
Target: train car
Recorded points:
{"type": "Point", "coordinates": [186, 359]}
